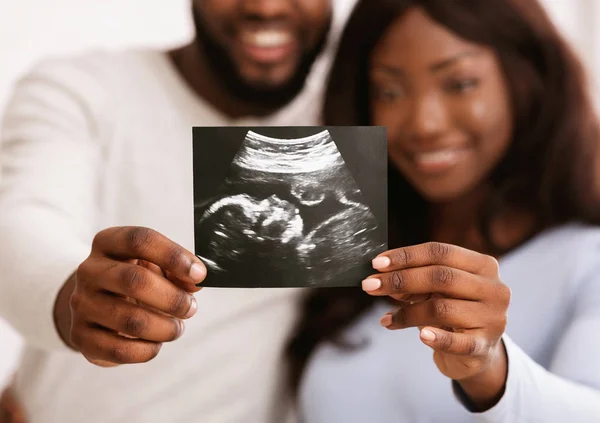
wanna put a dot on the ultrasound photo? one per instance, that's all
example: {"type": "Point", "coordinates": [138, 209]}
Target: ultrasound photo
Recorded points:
{"type": "Point", "coordinates": [289, 206]}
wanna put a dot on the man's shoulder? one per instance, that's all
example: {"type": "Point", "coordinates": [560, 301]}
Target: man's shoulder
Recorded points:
{"type": "Point", "coordinates": [98, 65]}
{"type": "Point", "coordinates": [94, 84]}
{"type": "Point", "coordinates": [95, 80]}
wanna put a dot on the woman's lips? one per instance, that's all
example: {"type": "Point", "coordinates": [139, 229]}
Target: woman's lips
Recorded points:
{"type": "Point", "coordinates": [437, 161]}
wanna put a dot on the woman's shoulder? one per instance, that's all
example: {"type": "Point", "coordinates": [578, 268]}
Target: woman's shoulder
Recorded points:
{"type": "Point", "coordinates": [571, 249]}
{"type": "Point", "coordinates": [570, 235]}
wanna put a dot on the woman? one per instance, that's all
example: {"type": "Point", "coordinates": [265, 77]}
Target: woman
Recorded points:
{"type": "Point", "coordinates": [491, 140]}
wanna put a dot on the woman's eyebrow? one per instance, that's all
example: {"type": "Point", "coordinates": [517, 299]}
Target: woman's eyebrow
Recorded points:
{"type": "Point", "coordinates": [436, 67]}
{"type": "Point", "coordinates": [442, 64]}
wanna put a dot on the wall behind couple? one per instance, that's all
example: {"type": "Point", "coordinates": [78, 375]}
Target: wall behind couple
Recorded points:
{"type": "Point", "coordinates": [33, 29]}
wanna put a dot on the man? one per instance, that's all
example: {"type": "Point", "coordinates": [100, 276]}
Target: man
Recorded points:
{"type": "Point", "coordinates": [96, 150]}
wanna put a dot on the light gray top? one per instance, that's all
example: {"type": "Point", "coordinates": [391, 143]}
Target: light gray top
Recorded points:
{"type": "Point", "coordinates": [552, 339]}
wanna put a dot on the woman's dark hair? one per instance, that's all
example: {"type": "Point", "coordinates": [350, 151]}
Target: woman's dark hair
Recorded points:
{"type": "Point", "coordinates": [550, 169]}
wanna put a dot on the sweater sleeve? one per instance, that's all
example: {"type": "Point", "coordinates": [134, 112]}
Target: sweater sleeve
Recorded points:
{"type": "Point", "coordinates": [569, 390]}
{"type": "Point", "coordinates": [48, 191]}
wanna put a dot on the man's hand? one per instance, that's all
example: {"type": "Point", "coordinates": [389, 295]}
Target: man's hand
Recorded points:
{"type": "Point", "coordinates": [11, 410]}
{"type": "Point", "coordinates": [128, 297]}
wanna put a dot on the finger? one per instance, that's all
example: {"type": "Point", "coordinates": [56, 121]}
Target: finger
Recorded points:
{"type": "Point", "coordinates": [183, 284]}
{"type": "Point", "coordinates": [102, 363]}
{"type": "Point", "coordinates": [122, 316]}
{"type": "Point", "coordinates": [155, 269]}
{"type": "Point", "coordinates": [429, 279]}
{"type": "Point", "coordinates": [464, 344]}
{"type": "Point", "coordinates": [411, 298]}
{"type": "Point", "coordinates": [436, 253]}
{"type": "Point", "coordinates": [150, 266]}
{"type": "Point", "coordinates": [101, 344]}
{"type": "Point", "coordinates": [444, 312]}
{"type": "Point", "coordinates": [141, 284]}
{"type": "Point", "coordinates": [134, 242]}
{"type": "Point", "coordinates": [10, 408]}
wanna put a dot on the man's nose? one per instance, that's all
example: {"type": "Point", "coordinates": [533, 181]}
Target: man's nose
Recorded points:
{"type": "Point", "coordinates": [267, 9]}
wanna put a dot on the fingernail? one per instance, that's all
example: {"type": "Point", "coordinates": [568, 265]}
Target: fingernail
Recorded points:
{"type": "Point", "coordinates": [427, 335]}
{"type": "Point", "coordinates": [197, 272]}
{"type": "Point", "coordinates": [386, 320]}
{"type": "Point", "coordinates": [371, 284]}
{"type": "Point", "coordinates": [182, 325]}
{"type": "Point", "coordinates": [193, 307]}
{"type": "Point", "coordinates": [381, 262]}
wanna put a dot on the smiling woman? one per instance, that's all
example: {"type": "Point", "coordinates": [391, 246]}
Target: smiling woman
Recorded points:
{"type": "Point", "coordinates": [493, 143]}
{"type": "Point", "coordinates": [445, 104]}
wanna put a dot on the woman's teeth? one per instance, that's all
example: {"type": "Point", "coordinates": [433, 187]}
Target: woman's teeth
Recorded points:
{"type": "Point", "coordinates": [438, 160]}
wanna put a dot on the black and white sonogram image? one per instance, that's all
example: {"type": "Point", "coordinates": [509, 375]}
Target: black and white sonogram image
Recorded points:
{"type": "Point", "coordinates": [289, 206]}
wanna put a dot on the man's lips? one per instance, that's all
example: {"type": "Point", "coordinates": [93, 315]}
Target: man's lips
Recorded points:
{"type": "Point", "coordinates": [267, 46]}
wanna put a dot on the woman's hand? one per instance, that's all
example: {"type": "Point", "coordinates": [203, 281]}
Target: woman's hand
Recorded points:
{"type": "Point", "coordinates": [456, 298]}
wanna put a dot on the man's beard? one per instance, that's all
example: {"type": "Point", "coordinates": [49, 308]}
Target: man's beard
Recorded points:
{"type": "Point", "coordinates": [225, 70]}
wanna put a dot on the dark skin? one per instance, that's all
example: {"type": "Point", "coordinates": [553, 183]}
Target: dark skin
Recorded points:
{"type": "Point", "coordinates": [135, 290]}
{"type": "Point", "coordinates": [11, 410]}
{"type": "Point", "coordinates": [295, 27]}
{"type": "Point", "coordinates": [446, 106]}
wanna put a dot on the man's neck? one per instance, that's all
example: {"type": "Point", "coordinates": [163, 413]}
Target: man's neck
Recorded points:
{"type": "Point", "coordinates": [201, 78]}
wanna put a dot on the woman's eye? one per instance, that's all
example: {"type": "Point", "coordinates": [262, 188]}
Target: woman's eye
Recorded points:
{"type": "Point", "coordinates": [387, 94]}
{"type": "Point", "coordinates": [460, 86]}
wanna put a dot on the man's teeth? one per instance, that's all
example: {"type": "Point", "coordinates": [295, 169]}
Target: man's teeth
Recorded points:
{"type": "Point", "coordinates": [437, 157]}
{"type": "Point", "coordinates": [266, 39]}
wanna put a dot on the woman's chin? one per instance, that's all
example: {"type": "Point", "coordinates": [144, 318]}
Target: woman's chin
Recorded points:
{"type": "Point", "coordinates": [442, 192]}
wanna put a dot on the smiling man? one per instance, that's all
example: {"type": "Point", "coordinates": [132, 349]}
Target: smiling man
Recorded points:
{"type": "Point", "coordinates": [96, 143]}
{"type": "Point", "coordinates": [259, 49]}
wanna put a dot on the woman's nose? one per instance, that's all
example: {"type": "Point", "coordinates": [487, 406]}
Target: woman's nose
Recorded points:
{"type": "Point", "coordinates": [428, 118]}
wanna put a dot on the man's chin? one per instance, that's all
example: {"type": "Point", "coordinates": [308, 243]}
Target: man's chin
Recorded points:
{"type": "Point", "coordinates": [267, 96]}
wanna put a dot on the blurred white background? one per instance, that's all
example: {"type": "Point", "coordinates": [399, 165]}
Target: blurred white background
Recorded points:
{"type": "Point", "coordinates": [33, 29]}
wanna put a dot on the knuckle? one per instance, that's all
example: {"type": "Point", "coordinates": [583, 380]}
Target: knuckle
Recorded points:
{"type": "Point", "coordinates": [121, 353]}
{"type": "Point", "coordinates": [98, 241]}
{"type": "Point", "coordinates": [403, 256]}
{"type": "Point", "coordinates": [446, 342]}
{"type": "Point", "coordinates": [138, 238]}
{"type": "Point", "coordinates": [396, 281]}
{"type": "Point", "coordinates": [77, 338]}
{"type": "Point", "coordinates": [150, 353]}
{"type": "Point", "coordinates": [76, 302]}
{"type": "Point", "coordinates": [136, 323]}
{"type": "Point", "coordinates": [175, 257]}
{"type": "Point", "coordinates": [175, 330]}
{"type": "Point", "coordinates": [438, 250]}
{"type": "Point", "coordinates": [443, 276]}
{"type": "Point", "coordinates": [440, 309]}
{"type": "Point", "coordinates": [83, 270]}
{"type": "Point", "coordinates": [492, 265]}
{"type": "Point", "coordinates": [472, 346]}
{"type": "Point", "coordinates": [178, 304]}
{"type": "Point", "coordinates": [134, 279]}
{"type": "Point", "coordinates": [502, 322]}
{"type": "Point", "coordinates": [503, 293]}
{"type": "Point", "coordinates": [506, 294]}
{"type": "Point", "coordinates": [399, 317]}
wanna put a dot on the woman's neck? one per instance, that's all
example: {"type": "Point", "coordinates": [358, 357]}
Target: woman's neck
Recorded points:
{"type": "Point", "coordinates": [458, 222]}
